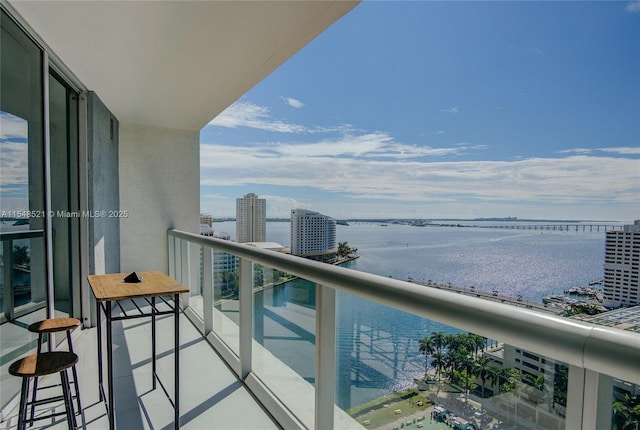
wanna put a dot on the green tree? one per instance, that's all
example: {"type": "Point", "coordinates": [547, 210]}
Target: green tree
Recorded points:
{"type": "Point", "coordinates": [426, 347]}
{"type": "Point", "coordinates": [509, 379]}
{"type": "Point", "coordinates": [438, 361]}
{"type": "Point", "coordinates": [21, 255]}
{"type": "Point", "coordinates": [467, 364]}
{"type": "Point", "coordinates": [627, 412]}
{"type": "Point", "coordinates": [560, 384]}
{"type": "Point", "coordinates": [344, 250]}
{"type": "Point", "coordinates": [479, 342]}
{"type": "Point", "coordinates": [482, 370]}
{"type": "Point", "coordinates": [439, 340]}
{"type": "Point", "coordinates": [493, 376]}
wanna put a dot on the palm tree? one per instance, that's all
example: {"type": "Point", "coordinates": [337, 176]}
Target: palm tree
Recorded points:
{"type": "Point", "coordinates": [482, 370]}
{"type": "Point", "coordinates": [479, 342]}
{"type": "Point", "coordinates": [426, 348]}
{"type": "Point", "coordinates": [438, 360]}
{"type": "Point", "coordinates": [439, 340]}
{"type": "Point", "coordinates": [493, 376]}
{"type": "Point", "coordinates": [466, 362]}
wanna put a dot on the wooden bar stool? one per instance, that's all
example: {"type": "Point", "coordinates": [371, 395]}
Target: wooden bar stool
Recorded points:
{"type": "Point", "coordinates": [56, 325]}
{"type": "Point", "coordinates": [37, 365]}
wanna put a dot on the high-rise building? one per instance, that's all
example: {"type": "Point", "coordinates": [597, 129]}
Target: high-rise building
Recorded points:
{"type": "Point", "coordinates": [251, 219]}
{"type": "Point", "coordinates": [312, 234]}
{"type": "Point", "coordinates": [207, 219]}
{"type": "Point", "coordinates": [621, 266]}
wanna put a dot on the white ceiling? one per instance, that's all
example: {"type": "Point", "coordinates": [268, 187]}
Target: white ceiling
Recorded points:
{"type": "Point", "coordinates": [176, 64]}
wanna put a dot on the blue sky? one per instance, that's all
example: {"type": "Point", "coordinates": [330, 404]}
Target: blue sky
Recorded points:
{"type": "Point", "coordinates": [443, 109]}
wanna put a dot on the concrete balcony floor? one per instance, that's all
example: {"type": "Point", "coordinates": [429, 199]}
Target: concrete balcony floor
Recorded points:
{"type": "Point", "coordinates": [211, 395]}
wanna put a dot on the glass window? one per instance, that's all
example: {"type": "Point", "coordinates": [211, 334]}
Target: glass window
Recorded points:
{"type": "Point", "coordinates": [23, 279]}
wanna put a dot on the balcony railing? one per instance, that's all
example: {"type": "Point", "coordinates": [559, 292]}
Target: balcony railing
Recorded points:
{"type": "Point", "coordinates": [20, 298]}
{"type": "Point", "coordinates": [595, 355]}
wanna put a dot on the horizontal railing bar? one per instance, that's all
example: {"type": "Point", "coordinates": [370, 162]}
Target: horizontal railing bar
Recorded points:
{"type": "Point", "coordinates": [17, 235]}
{"type": "Point", "coordinates": [602, 349]}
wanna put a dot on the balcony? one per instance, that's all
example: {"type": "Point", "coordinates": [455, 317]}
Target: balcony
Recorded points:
{"type": "Point", "coordinates": [251, 368]}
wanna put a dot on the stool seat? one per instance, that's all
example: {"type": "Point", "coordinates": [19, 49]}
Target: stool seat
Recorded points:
{"type": "Point", "coordinates": [43, 364]}
{"type": "Point", "coordinates": [54, 325]}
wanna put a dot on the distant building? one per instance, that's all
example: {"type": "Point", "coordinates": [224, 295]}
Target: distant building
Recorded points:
{"type": "Point", "coordinates": [206, 230]}
{"type": "Point", "coordinates": [206, 219]}
{"type": "Point", "coordinates": [312, 234]}
{"type": "Point", "coordinates": [251, 219]}
{"type": "Point", "coordinates": [621, 267]}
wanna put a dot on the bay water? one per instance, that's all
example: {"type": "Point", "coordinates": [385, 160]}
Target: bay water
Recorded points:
{"type": "Point", "coordinates": [377, 346]}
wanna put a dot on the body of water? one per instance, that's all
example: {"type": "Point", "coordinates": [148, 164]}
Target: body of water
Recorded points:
{"type": "Point", "coordinates": [377, 345]}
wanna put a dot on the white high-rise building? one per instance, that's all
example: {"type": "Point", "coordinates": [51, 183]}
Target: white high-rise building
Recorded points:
{"type": "Point", "coordinates": [312, 234]}
{"type": "Point", "coordinates": [251, 219]}
{"type": "Point", "coordinates": [621, 266]}
{"type": "Point", "coordinates": [207, 219]}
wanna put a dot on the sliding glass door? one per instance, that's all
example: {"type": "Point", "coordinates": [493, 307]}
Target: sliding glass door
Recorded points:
{"type": "Point", "coordinates": [39, 198]}
{"type": "Point", "coordinates": [65, 211]}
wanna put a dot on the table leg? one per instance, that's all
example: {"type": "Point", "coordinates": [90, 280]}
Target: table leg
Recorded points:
{"type": "Point", "coordinates": [176, 354]}
{"type": "Point", "coordinates": [99, 334]}
{"type": "Point", "coordinates": [153, 342]}
{"type": "Point", "coordinates": [112, 406]}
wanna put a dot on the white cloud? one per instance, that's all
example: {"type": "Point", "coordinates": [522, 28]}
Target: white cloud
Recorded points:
{"type": "Point", "coordinates": [452, 110]}
{"type": "Point", "coordinates": [576, 151]}
{"type": "Point", "coordinates": [245, 114]}
{"type": "Point", "coordinates": [623, 150]}
{"type": "Point", "coordinates": [359, 176]}
{"type": "Point", "coordinates": [12, 127]}
{"type": "Point", "coordinates": [13, 163]}
{"type": "Point", "coordinates": [633, 7]}
{"type": "Point", "coordinates": [251, 115]}
{"type": "Point", "coordinates": [295, 103]}
{"type": "Point", "coordinates": [377, 145]}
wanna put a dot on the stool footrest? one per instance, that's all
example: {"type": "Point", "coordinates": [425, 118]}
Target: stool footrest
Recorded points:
{"type": "Point", "coordinates": [56, 414]}
{"type": "Point", "coordinates": [45, 401]}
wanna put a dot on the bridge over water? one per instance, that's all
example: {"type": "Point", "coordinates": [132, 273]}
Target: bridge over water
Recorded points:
{"type": "Point", "coordinates": [556, 227]}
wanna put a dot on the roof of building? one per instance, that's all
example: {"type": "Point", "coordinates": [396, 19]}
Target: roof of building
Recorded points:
{"type": "Point", "coordinates": [206, 230]}
{"type": "Point", "coordinates": [623, 318]}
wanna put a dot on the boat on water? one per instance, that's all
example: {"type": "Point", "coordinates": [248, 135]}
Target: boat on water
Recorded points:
{"type": "Point", "coordinates": [558, 299]}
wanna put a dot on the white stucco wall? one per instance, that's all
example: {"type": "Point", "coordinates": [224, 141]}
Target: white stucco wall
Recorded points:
{"type": "Point", "coordinates": [159, 188]}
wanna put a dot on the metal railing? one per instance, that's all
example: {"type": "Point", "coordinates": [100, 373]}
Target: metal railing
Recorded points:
{"type": "Point", "coordinates": [9, 310]}
{"type": "Point", "coordinates": [594, 354]}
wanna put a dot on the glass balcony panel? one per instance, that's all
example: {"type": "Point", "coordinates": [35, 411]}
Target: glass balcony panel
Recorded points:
{"type": "Point", "coordinates": [225, 298]}
{"type": "Point", "coordinates": [196, 270]}
{"type": "Point", "coordinates": [283, 355]}
{"type": "Point", "coordinates": [394, 369]}
{"type": "Point", "coordinates": [625, 407]}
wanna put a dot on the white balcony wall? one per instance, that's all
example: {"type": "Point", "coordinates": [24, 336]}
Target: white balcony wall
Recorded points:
{"type": "Point", "coordinates": [159, 189]}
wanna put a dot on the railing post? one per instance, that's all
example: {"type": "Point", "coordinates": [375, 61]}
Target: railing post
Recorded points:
{"type": "Point", "coordinates": [177, 256]}
{"type": "Point", "coordinates": [7, 256]}
{"type": "Point", "coordinates": [185, 270]}
{"type": "Point", "coordinates": [325, 356]}
{"type": "Point", "coordinates": [246, 316]}
{"type": "Point", "coordinates": [207, 289]}
{"type": "Point", "coordinates": [575, 397]}
{"type": "Point", "coordinates": [171, 244]}
{"type": "Point", "coordinates": [598, 400]}
{"type": "Point", "coordinates": [589, 399]}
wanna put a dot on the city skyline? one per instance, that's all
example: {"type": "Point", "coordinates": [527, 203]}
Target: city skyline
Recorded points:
{"type": "Point", "coordinates": [443, 110]}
